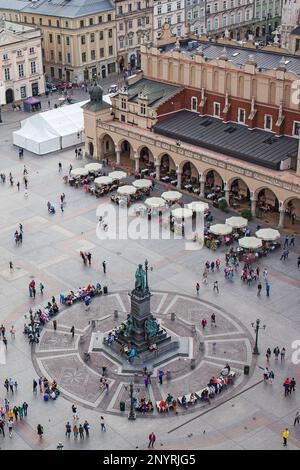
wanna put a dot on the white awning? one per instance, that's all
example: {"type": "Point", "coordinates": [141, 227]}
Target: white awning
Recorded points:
{"type": "Point", "coordinates": [268, 234]}
{"type": "Point", "coordinates": [237, 222]}
{"type": "Point", "coordinates": [117, 175]}
{"type": "Point", "coordinates": [220, 229]}
{"type": "Point", "coordinates": [103, 180]}
{"type": "Point", "coordinates": [198, 206]}
{"type": "Point", "coordinates": [93, 166]}
{"type": "Point", "coordinates": [171, 195]}
{"type": "Point", "coordinates": [140, 184]}
{"type": "Point", "coordinates": [79, 172]}
{"type": "Point", "coordinates": [126, 190]}
{"type": "Point", "coordinates": [250, 243]}
{"type": "Point", "coordinates": [182, 213]}
{"type": "Point", "coordinates": [155, 202]}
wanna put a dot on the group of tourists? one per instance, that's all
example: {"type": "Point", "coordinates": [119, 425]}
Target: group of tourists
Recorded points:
{"type": "Point", "coordinates": [10, 415]}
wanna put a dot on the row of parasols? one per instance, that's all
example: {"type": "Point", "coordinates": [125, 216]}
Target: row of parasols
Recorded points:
{"type": "Point", "coordinates": [251, 243]}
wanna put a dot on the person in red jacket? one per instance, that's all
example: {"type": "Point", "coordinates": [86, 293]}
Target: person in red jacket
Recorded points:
{"type": "Point", "coordinates": [152, 439]}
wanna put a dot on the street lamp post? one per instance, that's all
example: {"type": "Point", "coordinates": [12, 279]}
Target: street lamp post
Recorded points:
{"type": "Point", "coordinates": [132, 415]}
{"type": "Point", "coordinates": [256, 328]}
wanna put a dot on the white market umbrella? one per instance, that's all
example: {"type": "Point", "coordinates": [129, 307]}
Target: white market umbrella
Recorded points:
{"type": "Point", "coordinates": [237, 222]}
{"type": "Point", "coordinates": [93, 166]}
{"type": "Point", "coordinates": [198, 206]}
{"type": "Point", "coordinates": [220, 229]}
{"type": "Point", "coordinates": [126, 190]}
{"type": "Point", "coordinates": [268, 234]}
{"type": "Point", "coordinates": [155, 202]}
{"type": "Point", "coordinates": [79, 172]}
{"type": "Point", "coordinates": [250, 243]}
{"type": "Point", "coordinates": [171, 195]}
{"type": "Point", "coordinates": [140, 184]}
{"type": "Point", "coordinates": [117, 175]}
{"type": "Point", "coordinates": [103, 180]}
{"type": "Point", "coordinates": [182, 213]}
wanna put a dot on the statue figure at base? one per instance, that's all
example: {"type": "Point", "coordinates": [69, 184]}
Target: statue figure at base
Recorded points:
{"type": "Point", "coordinates": [129, 324]}
{"type": "Point", "coordinates": [140, 278]}
{"type": "Point", "coordinates": [151, 328]}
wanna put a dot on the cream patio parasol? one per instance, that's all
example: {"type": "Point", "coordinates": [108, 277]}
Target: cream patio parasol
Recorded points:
{"type": "Point", "coordinates": [171, 195]}
{"type": "Point", "coordinates": [117, 175]}
{"type": "Point", "coordinates": [198, 206]}
{"type": "Point", "coordinates": [250, 243]}
{"type": "Point", "coordinates": [220, 229]}
{"type": "Point", "coordinates": [237, 222]}
{"type": "Point", "coordinates": [155, 202]}
{"type": "Point", "coordinates": [268, 234]}
{"type": "Point", "coordinates": [79, 172]}
{"type": "Point", "coordinates": [141, 184]}
{"type": "Point", "coordinates": [126, 190]}
{"type": "Point", "coordinates": [93, 166]}
{"type": "Point", "coordinates": [103, 180]}
{"type": "Point", "coordinates": [182, 213]}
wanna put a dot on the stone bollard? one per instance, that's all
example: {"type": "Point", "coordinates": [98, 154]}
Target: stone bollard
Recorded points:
{"type": "Point", "coordinates": [193, 363]}
{"type": "Point", "coordinates": [173, 316]}
{"type": "Point", "coordinates": [116, 314]}
{"type": "Point", "coordinates": [168, 375]}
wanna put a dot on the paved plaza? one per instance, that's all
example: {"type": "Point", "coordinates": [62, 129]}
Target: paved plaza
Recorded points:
{"type": "Point", "coordinates": [249, 415]}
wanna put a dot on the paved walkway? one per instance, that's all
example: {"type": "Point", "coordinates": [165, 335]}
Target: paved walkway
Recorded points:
{"type": "Point", "coordinates": [50, 254]}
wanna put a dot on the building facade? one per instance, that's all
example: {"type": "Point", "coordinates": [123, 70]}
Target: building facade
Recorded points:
{"type": "Point", "coordinates": [267, 16]}
{"type": "Point", "coordinates": [195, 14]}
{"type": "Point", "coordinates": [134, 21]}
{"type": "Point", "coordinates": [171, 12]}
{"type": "Point", "coordinates": [79, 38]}
{"type": "Point", "coordinates": [21, 62]}
{"type": "Point", "coordinates": [235, 16]}
{"type": "Point", "coordinates": [290, 20]}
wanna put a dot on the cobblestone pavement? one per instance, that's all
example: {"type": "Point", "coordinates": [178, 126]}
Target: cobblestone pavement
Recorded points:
{"type": "Point", "coordinates": [252, 415]}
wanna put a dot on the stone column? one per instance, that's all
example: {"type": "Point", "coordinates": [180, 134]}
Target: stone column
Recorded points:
{"type": "Point", "coordinates": [281, 217]}
{"type": "Point", "coordinates": [202, 185]}
{"type": "Point", "coordinates": [179, 175]}
{"type": "Point", "coordinates": [227, 192]}
{"type": "Point", "coordinates": [253, 207]}
{"type": "Point", "coordinates": [137, 161]}
{"type": "Point", "coordinates": [118, 155]}
{"type": "Point", "coordinates": [157, 171]}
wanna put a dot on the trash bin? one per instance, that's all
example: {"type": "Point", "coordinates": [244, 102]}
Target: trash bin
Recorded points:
{"type": "Point", "coordinates": [246, 370]}
{"type": "Point", "coordinates": [105, 290]}
{"type": "Point", "coordinates": [122, 405]}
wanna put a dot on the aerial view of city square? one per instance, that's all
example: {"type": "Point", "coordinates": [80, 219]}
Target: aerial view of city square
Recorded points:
{"type": "Point", "coordinates": [150, 227]}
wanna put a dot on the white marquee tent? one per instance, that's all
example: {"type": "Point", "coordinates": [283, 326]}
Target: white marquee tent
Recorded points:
{"type": "Point", "coordinates": [52, 130]}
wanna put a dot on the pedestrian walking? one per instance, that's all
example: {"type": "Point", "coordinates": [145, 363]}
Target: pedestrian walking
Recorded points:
{"type": "Point", "coordinates": [34, 386]}
{"type": "Point", "coordinates": [287, 386]}
{"type": "Point", "coordinates": [268, 287]}
{"type": "Point", "coordinates": [40, 430]}
{"type": "Point", "coordinates": [197, 288]}
{"type": "Point", "coordinates": [75, 431]}
{"type": "Point", "coordinates": [292, 240]}
{"type": "Point", "coordinates": [59, 167]}
{"type": "Point", "coordinates": [213, 319]}
{"type": "Point", "coordinates": [285, 436]}
{"type": "Point", "coordinates": [216, 286]}
{"type": "Point", "coordinates": [25, 408]}
{"type": "Point", "coordinates": [152, 439]}
{"type": "Point", "coordinates": [282, 354]}
{"type": "Point", "coordinates": [89, 258]}
{"type": "Point", "coordinates": [276, 352]}
{"type": "Point", "coordinates": [72, 331]}
{"type": "Point", "coordinates": [286, 241]}
{"type": "Point", "coordinates": [5, 342]}
{"type": "Point", "coordinates": [55, 325]}
{"type": "Point", "coordinates": [293, 385]}
{"type": "Point", "coordinates": [2, 424]}
{"type": "Point", "coordinates": [102, 423]}
{"type": "Point", "coordinates": [81, 431]}
{"type": "Point", "coordinates": [268, 354]}
{"type": "Point", "coordinates": [10, 427]}
{"type": "Point", "coordinates": [161, 376]}
{"type": "Point", "coordinates": [68, 429]}
{"type": "Point", "coordinates": [70, 169]}
{"type": "Point", "coordinates": [104, 267]}
{"type": "Point", "coordinates": [297, 418]}
{"type": "Point", "coordinates": [259, 288]}
{"type": "Point", "coordinates": [41, 288]}
{"type": "Point", "coordinates": [62, 207]}
{"type": "Point", "coordinates": [86, 427]}
{"type": "Point", "coordinates": [203, 323]}
{"type": "Point", "coordinates": [11, 385]}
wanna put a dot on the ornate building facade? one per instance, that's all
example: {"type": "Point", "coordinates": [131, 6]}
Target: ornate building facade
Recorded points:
{"type": "Point", "coordinates": [21, 62]}
{"type": "Point", "coordinates": [171, 12]}
{"type": "Point", "coordinates": [79, 38]}
{"type": "Point", "coordinates": [214, 120]}
{"type": "Point", "coordinates": [134, 21]}
{"type": "Point", "coordinates": [289, 22]}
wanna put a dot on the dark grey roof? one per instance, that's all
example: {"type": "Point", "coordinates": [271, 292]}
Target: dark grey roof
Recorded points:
{"type": "Point", "coordinates": [254, 146]}
{"type": "Point", "coordinates": [61, 8]}
{"type": "Point", "coordinates": [156, 92]}
{"type": "Point", "coordinates": [296, 30]}
{"type": "Point", "coordinates": [238, 55]}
